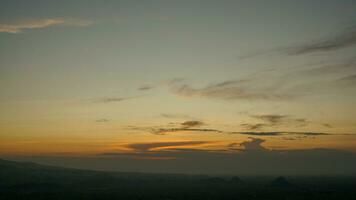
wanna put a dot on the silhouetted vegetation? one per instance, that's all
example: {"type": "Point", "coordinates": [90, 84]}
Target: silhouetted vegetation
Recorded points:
{"type": "Point", "coordinates": [33, 181]}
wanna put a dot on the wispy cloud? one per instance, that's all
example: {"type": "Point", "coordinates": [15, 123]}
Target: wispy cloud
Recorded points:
{"type": "Point", "coordinates": [230, 90]}
{"type": "Point", "coordinates": [145, 87]}
{"type": "Point", "coordinates": [273, 121]}
{"type": "Point", "coordinates": [169, 130]}
{"type": "Point", "coordinates": [346, 38]}
{"type": "Point", "coordinates": [327, 125]}
{"type": "Point", "coordinates": [103, 120]}
{"type": "Point", "coordinates": [113, 99]}
{"type": "Point", "coordinates": [193, 123]}
{"type": "Point", "coordinates": [343, 39]}
{"type": "Point", "coordinates": [163, 131]}
{"type": "Point", "coordinates": [19, 27]}
{"type": "Point", "coordinates": [254, 126]}
{"type": "Point", "coordinates": [185, 126]}
{"type": "Point", "coordinates": [154, 146]}
{"type": "Point", "coordinates": [175, 116]}
{"type": "Point", "coordinates": [279, 133]}
{"type": "Point", "coordinates": [328, 67]}
{"type": "Point", "coordinates": [349, 80]}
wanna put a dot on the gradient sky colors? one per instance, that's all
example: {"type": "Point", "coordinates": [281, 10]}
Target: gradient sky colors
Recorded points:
{"type": "Point", "coordinates": [142, 78]}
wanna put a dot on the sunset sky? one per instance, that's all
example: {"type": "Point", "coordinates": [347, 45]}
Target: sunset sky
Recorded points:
{"type": "Point", "coordinates": [147, 78]}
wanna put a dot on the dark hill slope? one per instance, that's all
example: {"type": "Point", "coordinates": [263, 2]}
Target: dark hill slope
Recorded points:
{"type": "Point", "coordinates": [24, 180]}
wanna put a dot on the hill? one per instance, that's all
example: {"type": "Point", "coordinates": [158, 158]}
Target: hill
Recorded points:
{"type": "Point", "coordinates": [26, 180]}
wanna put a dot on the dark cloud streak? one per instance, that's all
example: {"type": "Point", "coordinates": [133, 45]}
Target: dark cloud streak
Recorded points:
{"type": "Point", "coordinates": [103, 120]}
{"type": "Point", "coordinates": [278, 133]}
{"type": "Point", "coordinates": [163, 131]}
{"type": "Point", "coordinates": [193, 123]}
{"type": "Point", "coordinates": [273, 120]}
{"type": "Point", "coordinates": [145, 87]}
{"type": "Point", "coordinates": [146, 147]}
{"type": "Point", "coordinates": [113, 99]}
{"type": "Point", "coordinates": [343, 40]}
{"type": "Point", "coordinates": [231, 90]}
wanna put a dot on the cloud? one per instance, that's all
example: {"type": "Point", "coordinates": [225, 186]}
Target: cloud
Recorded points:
{"type": "Point", "coordinates": [345, 79]}
{"type": "Point", "coordinates": [253, 145]}
{"type": "Point", "coordinates": [186, 126]}
{"type": "Point", "coordinates": [259, 133]}
{"type": "Point", "coordinates": [327, 125]}
{"type": "Point", "coordinates": [174, 116]}
{"type": "Point", "coordinates": [230, 90]}
{"type": "Point", "coordinates": [103, 120]}
{"type": "Point", "coordinates": [41, 23]}
{"type": "Point", "coordinates": [113, 99]}
{"type": "Point", "coordinates": [310, 79]}
{"type": "Point", "coordinates": [345, 39]}
{"type": "Point", "coordinates": [278, 133]}
{"type": "Point", "coordinates": [349, 80]}
{"type": "Point", "coordinates": [163, 131]}
{"type": "Point", "coordinates": [270, 121]}
{"type": "Point", "coordinates": [274, 120]}
{"type": "Point", "coordinates": [257, 126]}
{"type": "Point", "coordinates": [193, 126]}
{"type": "Point", "coordinates": [194, 123]}
{"type": "Point", "coordinates": [286, 135]}
{"type": "Point", "coordinates": [328, 67]}
{"type": "Point", "coordinates": [145, 87]}
{"type": "Point", "coordinates": [110, 99]}
{"type": "Point", "coordinates": [146, 147]}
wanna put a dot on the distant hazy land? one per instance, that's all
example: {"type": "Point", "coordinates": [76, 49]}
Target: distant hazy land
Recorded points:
{"type": "Point", "coordinates": [26, 180]}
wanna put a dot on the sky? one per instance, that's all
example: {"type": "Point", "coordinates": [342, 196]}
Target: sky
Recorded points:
{"type": "Point", "coordinates": [126, 83]}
